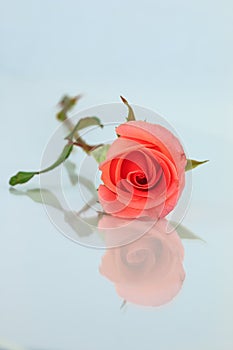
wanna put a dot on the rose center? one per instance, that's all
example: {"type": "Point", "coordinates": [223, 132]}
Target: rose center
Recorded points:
{"type": "Point", "coordinates": [138, 179]}
{"type": "Point", "coordinates": [135, 259]}
{"type": "Point", "coordinates": [141, 179]}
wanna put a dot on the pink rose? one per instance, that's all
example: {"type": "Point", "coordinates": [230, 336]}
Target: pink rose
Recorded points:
{"type": "Point", "coordinates": [148, 271]}
{"type": "Point", "coordinates": [144, 172]}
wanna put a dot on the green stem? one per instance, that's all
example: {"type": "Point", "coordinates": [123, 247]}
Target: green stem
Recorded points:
{"type": "Point", "coordinates": [24, 176]}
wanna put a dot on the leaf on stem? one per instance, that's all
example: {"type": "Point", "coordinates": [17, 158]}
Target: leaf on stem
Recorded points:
{"type": "Point", "coordinates": [185, 233]}
{"type": "Point", "coordinates": [82, 124]}
{"type": "Point", "coordinates": [73, 139]}
{"type": "Point", "coordinates": [192, 164]}
{"type": "Point", "coordinates": [131, 115]}
{"type": "Point", "coordinates": [71, 170]}
{"type": "Point", "coordinates": [23, 176]}
{"type": "Point", "coordinates": [66, 104]}
{"type": "Point", "coordinates": [63, 156]}
{"type": "Point", "coordinates": [39, 195]}
{"type": "Point", "coordinates": [100, 153]}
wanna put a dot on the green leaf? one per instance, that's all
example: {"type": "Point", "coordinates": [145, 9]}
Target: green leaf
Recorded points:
{"type": "Point", "coordinates": [42, 196]}
{"type": "Point", "coordinates": [89, 186]}
{"type": "Point", "coordinates": [88, 121]}
{"type": "Point", "coordinates": [82, 226]}
{"type": "Point", "coordinates": [185, 233]}
{"type": "Point", "coordinates": [22, 177]}
{"type": "Point", "coordinates": [71, 168]}
{"type": "Point", "coordinates": [63, 156]}
{"type": "Point", "coordinates": [82, 124]}
{"type": "Point", "coordinates": [66, 104]}
{"type": "Point", "coordinates": [192, 164]}
{"type": "Point", "coordinates": [100, 153]}
{"type": "Point", "coordinates": [78, 224]}
{"type": "Point", "coordinates": [131, 115]}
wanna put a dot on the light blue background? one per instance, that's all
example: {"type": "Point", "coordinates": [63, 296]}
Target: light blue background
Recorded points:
{"type": "Point", "coordinates": [171, 56]}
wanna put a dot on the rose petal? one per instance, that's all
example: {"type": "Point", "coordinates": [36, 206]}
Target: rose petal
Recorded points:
{"type": "Point", "coordinates": [158, 135]}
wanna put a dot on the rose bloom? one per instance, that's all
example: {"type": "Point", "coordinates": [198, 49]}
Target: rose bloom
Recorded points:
{"type": "Point", "coordinates": [149, 271]}
{"type": "Point", "coordinates": [144, 172]}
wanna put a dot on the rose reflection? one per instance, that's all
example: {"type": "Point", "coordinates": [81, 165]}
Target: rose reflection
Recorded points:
{"type": "Point", "coordinates": [148, 271]}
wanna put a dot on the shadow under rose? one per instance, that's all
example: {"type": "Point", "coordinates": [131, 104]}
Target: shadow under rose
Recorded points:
{"type": "Point", "coordinates": [149, 271]}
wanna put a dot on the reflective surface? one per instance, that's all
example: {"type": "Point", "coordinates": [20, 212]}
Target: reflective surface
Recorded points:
{"type": "Point", "coordinates": [53, 295]}
{"type": "Point", "coordinates": [149, 271]}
